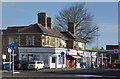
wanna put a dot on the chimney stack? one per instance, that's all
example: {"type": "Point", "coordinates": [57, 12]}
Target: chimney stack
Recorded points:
{"type": "Point", "coordinates": [42, 18]}
{"type": "Point", "coordinates": [50, 22]}
{"type": "Point", "coordinates": [71, 27]}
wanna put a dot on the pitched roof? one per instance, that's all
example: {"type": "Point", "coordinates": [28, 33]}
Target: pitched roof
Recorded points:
{"type": "Point", "coordinates": [13, 29]}
{"type": "Point", "coordinates": [33, 28]}
{"type": "Point", "coordinates": [70, 35]}
{"type": "Point", "coordinates": [38, 28]}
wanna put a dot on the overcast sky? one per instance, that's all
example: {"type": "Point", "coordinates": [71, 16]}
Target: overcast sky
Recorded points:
{"type": "Point", "coordinates": [105, 15]}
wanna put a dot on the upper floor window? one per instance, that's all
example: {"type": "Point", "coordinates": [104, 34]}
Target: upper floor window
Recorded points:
{"type": "Point", "coordinates": [48, 40]}
{"type": "Point", "coordinates": [16, 39]}
{"type": "Point", "coordinates": [81, 45]}
{"type": "Point", "coordinates": [63, 43]}
{"type": "Point", "coordinates": [56, 42]}
{"type": "Point", "coordinates": [76, 45]}
{"type": "Point", "coordinates": [30, 40]}
{"type": "Point", "coordinates": [10, 40]}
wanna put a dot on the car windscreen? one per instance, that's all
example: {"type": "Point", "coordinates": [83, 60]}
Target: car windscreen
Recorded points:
{"type": "Point", "coordinates": [32, 62]}
{"type": "Point", "coordinates": [39, 62]}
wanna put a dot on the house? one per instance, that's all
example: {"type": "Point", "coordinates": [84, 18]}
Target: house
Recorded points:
{"type": "Point", "coordinates": [40, 41]}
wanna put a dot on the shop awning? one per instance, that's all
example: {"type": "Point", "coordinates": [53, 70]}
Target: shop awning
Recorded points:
{"type": "Point", "coordinates": [75, 56]}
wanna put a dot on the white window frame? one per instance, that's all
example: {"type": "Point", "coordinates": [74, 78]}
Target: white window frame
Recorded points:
{"type": "Point", "coordinates": [10, 40]}
{"type": "Point", "coordinates": [48, 40]}
{"type": "Point", "coordinates": [32, 40]}
{"type": "Point", "coordinates": [56, 42]}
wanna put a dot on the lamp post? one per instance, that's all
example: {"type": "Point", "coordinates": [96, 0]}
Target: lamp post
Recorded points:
{"type": "Point", "coordinates": [97, 50]}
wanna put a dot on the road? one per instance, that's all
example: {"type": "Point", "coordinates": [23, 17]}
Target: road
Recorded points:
{"type": "Point", "coordinates": [67, 73]}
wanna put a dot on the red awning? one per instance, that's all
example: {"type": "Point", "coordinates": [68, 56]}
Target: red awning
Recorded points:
{"type": "Point", "coordinates": [75, 56]}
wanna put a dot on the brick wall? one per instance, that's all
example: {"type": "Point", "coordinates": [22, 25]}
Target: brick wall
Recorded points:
{"type": "Point", "coordinates": [37, 40]}
{"type": "Point", "coordinates": [23, 40]}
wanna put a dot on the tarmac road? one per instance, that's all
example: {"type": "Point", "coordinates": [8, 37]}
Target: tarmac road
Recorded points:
{"type": "Point", "coordinates": [66, 74]}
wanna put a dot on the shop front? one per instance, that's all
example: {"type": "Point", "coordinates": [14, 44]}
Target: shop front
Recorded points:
{"type": "Point", "coordinates": [73, 59]}
{"type": "Point", "coordinates": [51, 57]}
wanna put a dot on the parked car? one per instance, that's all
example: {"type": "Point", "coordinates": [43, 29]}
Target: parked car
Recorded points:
{"type": "Point", "coordinates": [36, 65]}
{"type": "Point", "coordinates": [20, 64]}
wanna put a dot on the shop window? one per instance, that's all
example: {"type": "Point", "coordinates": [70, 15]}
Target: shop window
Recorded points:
{"type": "Point", "coordinates": [45, 58]}
{"type": "Point", "coordinates": [10, 40]}
{"type": "Point", "coordinates": [24, 57]}
{"type": "Point", "coordinates": [61, 60]}
{"type": "Point", "coordinates": [53, 60]}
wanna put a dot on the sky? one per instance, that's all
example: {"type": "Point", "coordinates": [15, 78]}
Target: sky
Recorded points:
{"type": "Point", "coordinates": [25, 13]}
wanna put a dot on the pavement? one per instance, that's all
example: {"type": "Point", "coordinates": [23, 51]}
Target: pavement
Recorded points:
{"type": "Point", "coordinates": [66, 73]}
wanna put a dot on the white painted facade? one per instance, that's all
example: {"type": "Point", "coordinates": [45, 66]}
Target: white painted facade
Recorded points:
{"type": "Point", "coordinates": [43, 54]}
{"type": "Point", "coordinates": [47, 54]}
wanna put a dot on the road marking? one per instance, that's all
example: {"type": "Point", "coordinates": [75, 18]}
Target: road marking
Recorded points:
{"type": "Point", "coordinates": [93, 76]}
{"type": "Point", "coordinates": [16, 72]}
{"type": "Point", "coordinates": [88, 76]}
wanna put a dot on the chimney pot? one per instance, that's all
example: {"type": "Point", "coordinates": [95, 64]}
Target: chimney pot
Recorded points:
{"type": "Point", "coordinates": [71, 27]}
{"type": "Point", "coordinates": [42, 18]}
{"type": "Point", "coordinates": [50, 22]}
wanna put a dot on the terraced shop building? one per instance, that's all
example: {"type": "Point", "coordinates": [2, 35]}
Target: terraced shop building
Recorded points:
{"type": "Point", "coordinates": [40, 41]}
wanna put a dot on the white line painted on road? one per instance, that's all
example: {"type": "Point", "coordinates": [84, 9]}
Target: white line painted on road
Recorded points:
{"type": "Point", "coordinates": [88, 76]}
{"type": "Point", "coordinates": [93, 76]}
{"type": "Point", "coordinates": [16, 72]}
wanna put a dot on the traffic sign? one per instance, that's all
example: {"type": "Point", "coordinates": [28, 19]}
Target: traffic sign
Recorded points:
{"type": "Point", "coordinates": [13, 46]}
{"type": "Point", "coordinates": [116, 51]}
{"type": "Point", "coordinates": [9, 50]}
{"type": "Point", "coordinates": [62, 53]}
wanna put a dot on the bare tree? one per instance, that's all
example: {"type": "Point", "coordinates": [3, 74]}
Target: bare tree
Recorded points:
{"type": "Point", "coordinates": [78, 14]}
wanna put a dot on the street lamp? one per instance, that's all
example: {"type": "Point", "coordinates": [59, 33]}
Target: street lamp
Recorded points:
{"type": "Point", "coordinates": [97, 50]}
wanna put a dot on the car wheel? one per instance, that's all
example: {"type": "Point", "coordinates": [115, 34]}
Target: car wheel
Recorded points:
{"type": "Point", "coordinates": [43, 67]}
{"type": "Point", "coordinates": [37, 68]}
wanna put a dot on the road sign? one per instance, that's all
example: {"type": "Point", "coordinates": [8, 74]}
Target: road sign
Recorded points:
{"type": "Point", "coordinates": [13, 46]}
{"type": "Point", "coordinates": [9, 50]}
{"type": "Point", "coordinates": [62, 53]}
{"type": "Point", "coordinates": [116, 51]}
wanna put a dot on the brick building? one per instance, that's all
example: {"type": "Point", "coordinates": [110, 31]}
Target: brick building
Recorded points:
{"type": "Point", "coordinates": [40, 41]}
